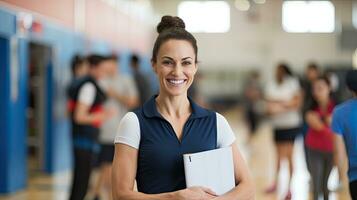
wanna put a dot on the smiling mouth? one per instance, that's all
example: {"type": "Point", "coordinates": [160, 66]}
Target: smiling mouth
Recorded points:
{"type": "Point", "coordinates": [176, 82]}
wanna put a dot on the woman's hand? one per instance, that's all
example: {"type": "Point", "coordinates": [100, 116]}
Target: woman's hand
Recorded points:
{"type": "Point", "coordinates": [195, 193]}
{"type": "Point", "coordinates": [274, 108]}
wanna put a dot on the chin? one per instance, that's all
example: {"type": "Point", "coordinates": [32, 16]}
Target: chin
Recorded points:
{"type": "Point", "coordinates": [175, 92]}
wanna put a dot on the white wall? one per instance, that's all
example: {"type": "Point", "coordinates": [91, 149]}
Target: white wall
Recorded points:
{"type": "Point", "coordinates": [256, 40]}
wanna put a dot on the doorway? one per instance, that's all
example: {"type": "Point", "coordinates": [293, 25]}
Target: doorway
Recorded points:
{"type": "Point", "coordinates": [39, 60]}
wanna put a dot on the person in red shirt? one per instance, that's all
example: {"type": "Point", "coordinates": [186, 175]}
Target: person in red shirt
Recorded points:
{"type": "Point", "coordinates": [319, 138]}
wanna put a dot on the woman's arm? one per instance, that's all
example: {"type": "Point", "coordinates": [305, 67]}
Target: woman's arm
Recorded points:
{"type": "Point", "coordinates": [124, 171]}
{"type": "Point", "coordinates": [295, 103]}
{"type": "Point", "coordinates": [314, 121]}
{"type": "Point", "coordinates": [245, 186]}
{"type": "Point", "coordinates": [123, 179]}
{"type": "Point", "coordinates": [129, 101]}
{"type": "Point", "coordinates": [340, 150]}
{"type": "Point", "coordinates": [83, 116]}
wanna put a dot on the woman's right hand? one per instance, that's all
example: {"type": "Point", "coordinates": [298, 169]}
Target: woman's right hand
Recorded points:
{"type": "Point", "coordinates": [195, 193]}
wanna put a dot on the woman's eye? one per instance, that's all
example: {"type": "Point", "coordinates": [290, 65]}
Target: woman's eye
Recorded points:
{"type": "Point", "coordinates": [166, 62]}
{"type": "Point", "coordinates": [186, 63]}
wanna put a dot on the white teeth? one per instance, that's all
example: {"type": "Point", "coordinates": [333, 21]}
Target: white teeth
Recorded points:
{"type": "Point", "coordinates": [176, 82]}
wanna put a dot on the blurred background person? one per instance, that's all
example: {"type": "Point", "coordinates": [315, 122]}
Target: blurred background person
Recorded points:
{"type": "Point", "coordinates": [79, 69]}
{"type": "Point", "coordinates": [283, 96]}
{"type": "Point", "coordinates": [79, 66]}
{"type": "Point", "coordinates": [311, 73]}
{"type": "Point", "coordinates": [319, 138]}
{"type": "Point", "coordinates": [122, 96]}
{"type": "Point", "coordinates": [252, 99]}
{"type": "Point", "coordinates": [141, 81]}
{"type": "Point", "coordinates": [195, 93]}
{"type": "Point", "coordinates": [345, 126]}
{"type": "Point", "coordinates": [87, 114]}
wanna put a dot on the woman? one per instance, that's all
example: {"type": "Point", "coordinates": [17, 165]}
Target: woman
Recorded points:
{"type": "Point", "coordinates": [319, 139]}
{"type": "Point", "coordinates": [283, 97]}
{"type": "Point", "coordinates": [151, 140]}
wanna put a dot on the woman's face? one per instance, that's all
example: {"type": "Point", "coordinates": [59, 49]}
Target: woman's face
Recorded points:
{"type": "Point", "coordinates": [321, 90]}
{"type": "Point", "coordinates": [175, 67]}
{"type": "Point", "coordinates": [279, 74]}
{"type": "Point", "coordinates": [82, 70]}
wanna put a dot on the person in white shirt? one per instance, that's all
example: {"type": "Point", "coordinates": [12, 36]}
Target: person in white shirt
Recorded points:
{"type": "Point", "coordinates": [122, 96]}
{"type": "Point", "coordinates": [284, 98]}
{"type": "Point", "coordinates": [87, 113]}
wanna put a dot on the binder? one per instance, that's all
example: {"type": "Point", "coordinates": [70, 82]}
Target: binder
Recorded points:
{"type": "Point", "coordinates": [213, 169]}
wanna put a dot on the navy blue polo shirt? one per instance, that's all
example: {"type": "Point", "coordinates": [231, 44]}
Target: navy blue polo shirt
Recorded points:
{"type": "Point", "coordinates": [160, 153]}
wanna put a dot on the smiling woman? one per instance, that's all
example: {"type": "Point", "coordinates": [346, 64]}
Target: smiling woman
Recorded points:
{"type": "Point", "coordinates": [151, 140]}
{"type": "Point", "coordinates": [175, 67]}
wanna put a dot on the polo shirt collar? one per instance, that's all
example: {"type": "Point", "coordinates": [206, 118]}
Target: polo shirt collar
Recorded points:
{"type": "Point", "coordinates": [150, 110]}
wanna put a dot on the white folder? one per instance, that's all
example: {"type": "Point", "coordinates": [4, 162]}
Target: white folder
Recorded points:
{"type": "Point", "coordinates": [212, 169]}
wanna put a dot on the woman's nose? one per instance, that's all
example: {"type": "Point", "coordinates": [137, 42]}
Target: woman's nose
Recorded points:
{"type": "Point", "coordinates": [177, 69]}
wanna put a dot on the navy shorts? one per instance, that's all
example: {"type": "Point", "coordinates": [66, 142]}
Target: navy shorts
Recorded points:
{"type": "Point", "coordinates": [106, 153]}
{"type": "Point", "coordinates": [286, 135]}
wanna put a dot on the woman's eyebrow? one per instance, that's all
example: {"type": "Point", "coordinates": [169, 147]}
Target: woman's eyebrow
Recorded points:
{"type": "Point", "coordinates": [167, 57]}
{"type": "Point", "coordinates": [186, 58]}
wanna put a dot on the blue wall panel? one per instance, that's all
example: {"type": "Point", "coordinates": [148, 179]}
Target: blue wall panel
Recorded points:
{"type": "Point", "coordinates": [7, 23]}
{"type": "Point", "coordinates": [49, 132]}
{"type": "Point", "coordinates": [13, 171]}
{"type": "Point", "coordinates": [4, 96]}
{"type": "Point", "coordinates": [18, 125]}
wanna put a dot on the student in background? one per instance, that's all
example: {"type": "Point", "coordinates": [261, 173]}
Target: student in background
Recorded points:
{"type": "Point", "coordinates": [319, 139]}
{"type": "Point", "coordinates": [79, 69]}
{"type": "Point", "coordinates": [87, 114]}
{"type": "Point", "coordinates": [253, 96]}
{"type": "Point", "coordinates": [312, 72]}
{"type": "Point", "coordinates": [345, 126]}
{"type": "Point", "coordinates": [122, 96]}
{"type": "Point", "coordinates": [141, 81]}
{"type": "Point", "coordinates": [283, 96]}
{"type": "Point", "coordinates": [79, 66]}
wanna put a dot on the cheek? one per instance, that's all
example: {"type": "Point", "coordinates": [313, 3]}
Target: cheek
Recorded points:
{"type": "Point", "coordinates": [190, 72]}
{"type": "Point", "coordinates": [326, 92]}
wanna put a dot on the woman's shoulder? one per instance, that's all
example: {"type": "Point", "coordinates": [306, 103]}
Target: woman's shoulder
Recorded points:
{"type": "Point", "coordinates": [221, 120]}
{"type": "Point", "coordinates": [130, 117]}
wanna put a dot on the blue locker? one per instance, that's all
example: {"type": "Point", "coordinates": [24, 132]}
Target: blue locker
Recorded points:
{"type": "Point", "coordinates": [13, 164]}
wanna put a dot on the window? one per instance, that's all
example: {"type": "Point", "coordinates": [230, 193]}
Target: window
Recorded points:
{"type": "Point", "coordinates": [308, 16]}
{"type": "Point", "coordinates": [206, 16]}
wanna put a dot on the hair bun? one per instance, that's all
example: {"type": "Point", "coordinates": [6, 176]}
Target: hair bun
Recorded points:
{"type": "Point", "coordinates": [168, 22]}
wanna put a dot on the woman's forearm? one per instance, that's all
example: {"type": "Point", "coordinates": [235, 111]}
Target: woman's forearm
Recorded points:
{"type": "Point", "coordinates": [244, 191]}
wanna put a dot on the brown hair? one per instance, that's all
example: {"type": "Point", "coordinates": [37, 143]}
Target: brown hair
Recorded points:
{"type": "Point", "coordinates": [169, 28]}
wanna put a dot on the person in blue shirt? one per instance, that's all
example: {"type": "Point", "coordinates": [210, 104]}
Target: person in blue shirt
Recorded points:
{"type": "Point", "coordinates": [344, 124]}
{"type": "Point", "coordinates": [151, 140]}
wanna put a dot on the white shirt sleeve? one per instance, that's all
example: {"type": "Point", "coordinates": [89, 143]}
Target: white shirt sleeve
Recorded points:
{"type": "Point", "coordinates": [225, 134]}
{"type": "Point", "coordinates": [295, 85]}
{"type": "Point", "coordinates": [129, 131]}
{"type": "Point", "coordinates": [131, 87]}
{"type": "Point", "coordinates": [87, 94]}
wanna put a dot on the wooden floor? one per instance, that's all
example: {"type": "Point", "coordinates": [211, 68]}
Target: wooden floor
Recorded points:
{"type": "Point", "coordinates": [259, 153]}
